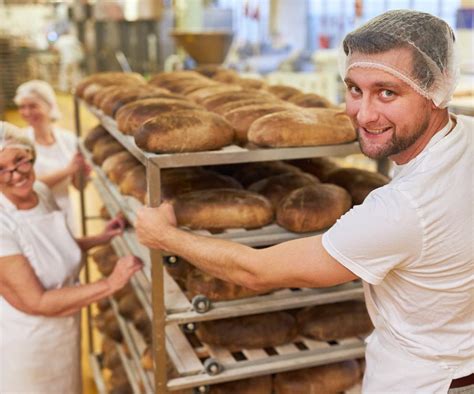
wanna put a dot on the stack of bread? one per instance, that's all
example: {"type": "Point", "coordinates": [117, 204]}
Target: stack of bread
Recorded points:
{"type": "Point", "coordinates": [187, 111]}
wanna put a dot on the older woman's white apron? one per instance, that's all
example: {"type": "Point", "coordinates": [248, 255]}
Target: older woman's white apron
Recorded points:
{"type": "Point", "coordinates": [42, 354]}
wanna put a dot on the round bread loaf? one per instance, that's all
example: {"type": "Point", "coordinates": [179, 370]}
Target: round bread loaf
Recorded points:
{"type": "Point", "coordinates": [359, 183]}
{"type": "Point", "coordinates": [134, 183]}
{"type": "Point", "coordinates": [320, 167]}
{"type": "Point", "coordinates": [224, 109]}
{"type": "Point", "coordinates": [116, 165]}
{"type": "Point", "coordinates": [282, 91]}
{"type": "Point", "coordinates": [103, 304]}
{"type": "Point", "coordinates": [105, 91]}
{"type": "Point", "coordinates": [249, 173]}
{"type": "Point", "coordinates": [184, 131]}
{"type": "Point", "coordinates": [128, 305]}
{"type": "Point", "coordinates": [218, 99]}
{"type": "Point", "coordinates": [242, 118]}
{"type": "Point", "coordinates": [251, 83]}
{"type": "Point", "coordinates": [131, 116]}
{"type": "Point", "coordinates": [313, 208]}
{"type": "Point", "coordinates": [276, 187]}
{"type": "Point", "coordinates": [218, 209]}
{"type": "Point", "coordinates": [94, 135]}
{"type": "Point", "coordinates": [176, 182]}
{"type": "Point", "coordinates": [334, 321]}
{"type": "Point", "coordinates": [111, 358]}
{"type": "Point", "coordinates": [104, 148]}
{"type": "Point", "coordinates": [258, 385]}
{"type": "Point", "coordinates": [249, 332]}
{"type": "Point", "coordinates": [328, 379]}
{"type": "Point", "coordinates": [111, 326]}
{"type": "Point", "coordinates": [188, 86]}
{"type": "Point", "coordinates": [226, 75]}
{"type": "Point", "coordinates": [215, 289]}
{"type": "Point", "coordinates": [199, 95]}
{"type": "Point", "coordinates": [108, 78]}
{"type": "Point", "coordinates": [306, 127]}
{"type": "Point", "coordinates": [310, 100]}
{"type": "Point", "coordinates": [142, 323]}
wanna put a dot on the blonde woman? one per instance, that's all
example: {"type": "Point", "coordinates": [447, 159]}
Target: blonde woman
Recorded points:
{"type": "Point", "coordinates": [40, 297]}
{"type": "Point", "coordinates": [58, 162]}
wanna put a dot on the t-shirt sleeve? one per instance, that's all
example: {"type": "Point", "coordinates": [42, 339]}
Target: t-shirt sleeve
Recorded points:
{"type": "Point", "coordinates": [9, 244]}
{"type": "Point", "coordinates": [382, 234]}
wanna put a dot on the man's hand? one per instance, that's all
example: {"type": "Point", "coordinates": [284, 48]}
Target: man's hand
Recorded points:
{"type": "Point", "coordinates": [153, 223]}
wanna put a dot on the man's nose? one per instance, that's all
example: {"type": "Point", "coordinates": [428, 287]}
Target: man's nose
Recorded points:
{"type": "Point", "coordinates": [367, 112]}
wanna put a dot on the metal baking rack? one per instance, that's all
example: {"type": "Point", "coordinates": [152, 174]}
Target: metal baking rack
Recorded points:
{"type": "Point", "coordinates": [210, 365]}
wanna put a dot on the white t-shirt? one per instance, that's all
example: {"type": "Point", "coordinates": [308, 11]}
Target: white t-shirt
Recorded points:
{"type": "Point", "coordinates": [411, 242]}
{"type": "Point", "coordinates": [55, 157]}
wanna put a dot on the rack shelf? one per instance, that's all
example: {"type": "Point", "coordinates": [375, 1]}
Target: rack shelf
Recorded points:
{"type": "Point", "coordinates": [97, 373]}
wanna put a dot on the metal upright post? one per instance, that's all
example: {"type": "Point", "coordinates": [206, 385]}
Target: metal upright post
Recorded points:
{"type": "Point", "coordinates": [77, 123]}
{"type": "Point", "coordinates": [157, 290]}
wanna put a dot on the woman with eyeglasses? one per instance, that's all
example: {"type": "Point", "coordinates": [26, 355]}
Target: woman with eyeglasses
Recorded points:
{"type": "Point", "coordinates": [58, 162]}
{"type": "Point", "coordinates": [40, 296]}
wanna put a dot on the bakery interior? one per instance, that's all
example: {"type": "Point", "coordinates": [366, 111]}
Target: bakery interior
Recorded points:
{"type": "Point", "coordinates": [234, 59]}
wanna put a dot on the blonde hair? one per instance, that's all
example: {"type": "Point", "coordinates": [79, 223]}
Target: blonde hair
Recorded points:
{"type": "Point", "coordinates": [12, 137]}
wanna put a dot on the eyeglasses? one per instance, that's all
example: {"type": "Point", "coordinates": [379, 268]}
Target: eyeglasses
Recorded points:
{"type": "Point", "coordinates": [22, 167]}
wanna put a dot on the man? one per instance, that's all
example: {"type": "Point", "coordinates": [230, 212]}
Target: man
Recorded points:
{"type": "Point", "coordinates": [411, 241]}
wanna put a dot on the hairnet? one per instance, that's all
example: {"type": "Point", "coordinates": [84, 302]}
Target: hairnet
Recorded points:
{"type": "Point", "coordinates": [424, 57]}
{"type": "Point", "coordinates": [12, 137]}
{"type": "Point", "coordinates": [42, 90]}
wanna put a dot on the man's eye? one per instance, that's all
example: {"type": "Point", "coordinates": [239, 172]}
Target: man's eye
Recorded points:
{"type": "Point", "coordinates": [387, 93]}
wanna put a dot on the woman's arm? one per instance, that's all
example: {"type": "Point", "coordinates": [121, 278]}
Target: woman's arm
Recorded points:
{"type": "Point", "coordinates": [22, 289]}
{"type": "Point", "coordinates": [112, 228]}
{"type": "Point", "coordinates": [75, 166]}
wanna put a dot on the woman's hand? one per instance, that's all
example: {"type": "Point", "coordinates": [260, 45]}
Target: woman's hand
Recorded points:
{"type": "Point", "coordinates": [114, 227]}
{"type": "Point", "coordinates": [123, 271]}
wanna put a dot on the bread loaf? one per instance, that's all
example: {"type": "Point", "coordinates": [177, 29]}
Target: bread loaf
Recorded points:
{"type": "Point", "coordinates": [176, 181]}
{"type": "Point", "coordinates": [188, 86]}
{"type": "Point", "coordinates": [108, 78]}
{"type": "Point", "coordinates": [226, 75]}
{"type": "Point", "coordinates": [198, 282]}
{"type": "Point", "coordinates": [105, 258]}
{"type": "Point", "coordinates": [359, 183]}
{"type": "Point", "coordinates": [325, 379]}
{"type": "Point", "coordinates": [306, 127]}
{"type": "Point", "coordinates": [224, 109]}
{"type": "Point", "coordinates": [162, 79]}
{"type": "Point", "coordinates": [249, 173]}
{"type": "Point", "coordinates": [320, 167]}
{"type": "Point", "coordinates": [310, 100]}
{"type": "Point", "coordinates": [276, 187]}
{"type": "Point", "coordinates": [134, 183]}
{"type": "Point", "coordinates": [94, 135]}
{"type": "Point", "coordinates": [251, 83]}
{"type": "Point", "coordinates": [111, 358]}
{"type": "Point", "coordinates": [116, 165]}
{"type": "Point", "coordinates": [249, 332]}
{"type": "Point", "coordinates": [201, 94]}
{"type": "Point", "coordinates": [184, 131]}
{"type": "Point", "coordinates": [219, 209]}
{"type": "Point", "coordinates": [242, 118]}
{"type": "Point", "coordinates": [128, 304]}
{"type": "Point", "coordinates": [258, 385]}
{"type": "Point", "coordinates": [313, 208]}
{"type": "Point", "coordinates": [104, 148]}
{"type": "Point", "coordinates": [282, 91]}
{"type": "Point", "coordinates": [179, 271]}
{"type": "Point", "coordinates": [131, 116]}
{"type": "Point", "coordinates": [334, 321]}
{"type": "Point", "coordinates": [222, 98]}
{"type": "Point", "coordinates": [142, 323]}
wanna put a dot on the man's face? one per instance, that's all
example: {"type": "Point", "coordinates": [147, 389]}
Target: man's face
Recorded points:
{"type": "Point", "coordinates": [388, 114]}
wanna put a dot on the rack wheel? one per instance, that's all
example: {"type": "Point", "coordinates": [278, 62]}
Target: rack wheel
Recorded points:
{"type": "Point", "coordinates": [212, 367]}
{"type": "Point", "coordinates": [189, 328]}
{"type": "Point", "coordinates": [171, 260]}
{"type": "Point", "coordinates": [201, 390]}
{"type": "Point", "coordinates": [201, 304]}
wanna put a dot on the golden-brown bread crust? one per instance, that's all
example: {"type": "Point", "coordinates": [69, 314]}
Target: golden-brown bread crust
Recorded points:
{"type": "Point", "coordinates": [218, 209]}
{"type": "Point", "coordinates": [128, 305]}
{"type": "Point", "coordinates": [184, 131]}
{"type": "Point", "coordinates": [105, 148]}
{"type": "Point", "coordinates": [320, 167]}
{"type": "Point", "coordinates": [283, 92]}
{"type": "Point", "coordinates": [306, 127]}
{"type": "Point", "coordinates": [334, 321]}
{"type": "Point", "coordinates": [188, 86]}
{"type": "Point", "coordinates": [199, 95]}
{"type": "Point", "coordinates": [310, 100]}
{"type": "Point", "coordinates": [222, 98]}
{"type": "Point", "coordinates": [242, 118]}
{"type": "Point", "coordinates": [134, 183]}
{"type": "Point", "coordinates": [179, 271]}
{"type": "Point", "coordinates": [249, 173]}
{"type": "Point", "coordinates": [313, 208]}
{"type": "Point", "coordinates": [251, 83]}
{"type": "Point", "coordinates": [131, 116]}
{"type": "Point", "coordinates": [276, 187]}
{"type": "Point", "coordinates": [108, 78]}
{"type": "Point", "coordinates": [215, 289]}
{"type": "Point", "coordinates": [257, 385]}
{"type": "Point", "coordinates": [226, 75]}
{"type": "Point", "coordinates": [176, 181]}
{"type": "Point", "coordinates": [95, 134]}
{"type": "Point", "coordinates": [105, 258]}
{"type": "Point", "coordinates": [224, 109]}
{"type": "Point", "coordinates": [163, 78]}
{"type": "Point", "coordinates": [324, 379]}
{"type": "Point", "coordinates": [116, 165]}
{"type": "Point", "coordinates": [359, 183]}
{"type": "Point", "coordinates": [249, 332]}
